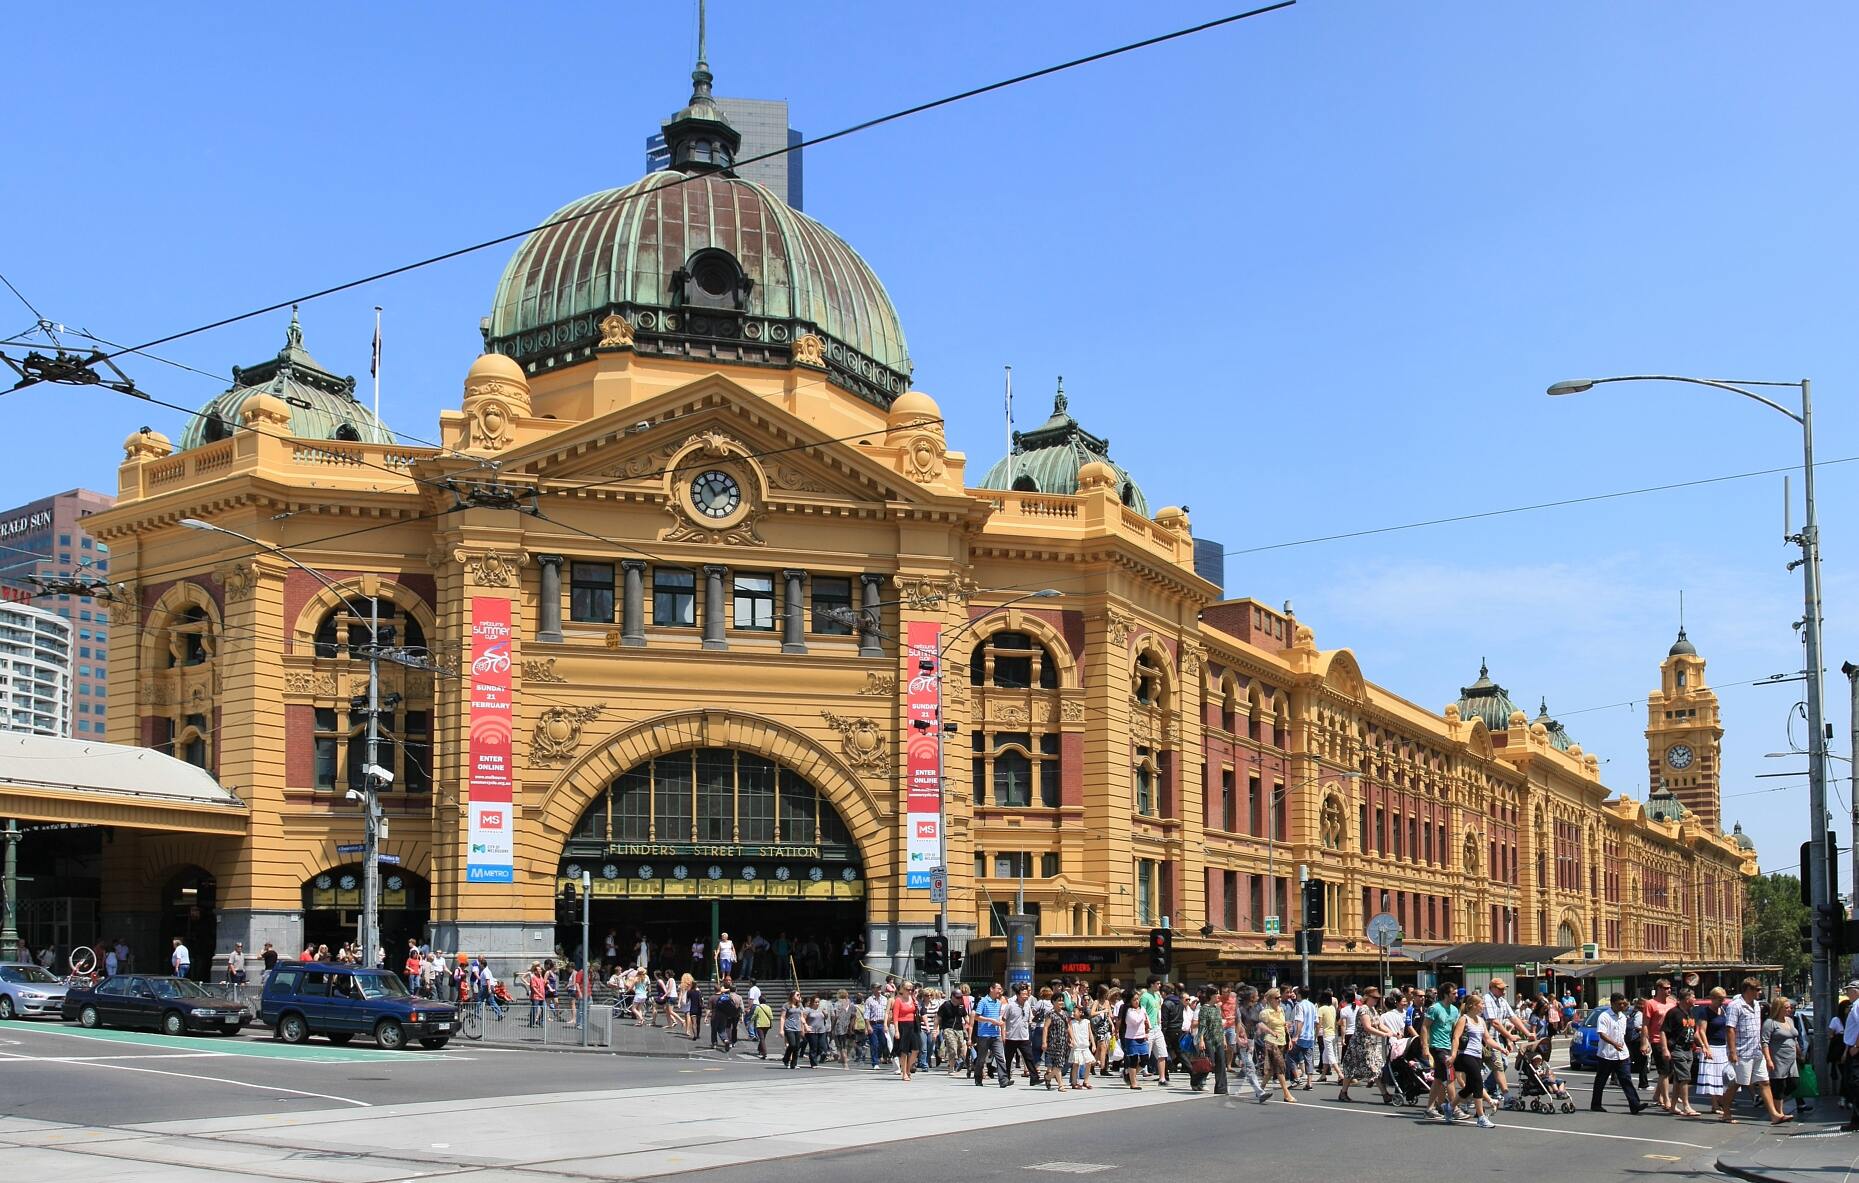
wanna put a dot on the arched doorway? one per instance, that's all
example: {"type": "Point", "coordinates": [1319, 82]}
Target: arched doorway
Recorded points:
{"type": "Point", "coordinates": [694, 843]}
{"type": "Point", "coordinates": [188, 903]}
{"type": "Point", "coordinates": [332, 909]}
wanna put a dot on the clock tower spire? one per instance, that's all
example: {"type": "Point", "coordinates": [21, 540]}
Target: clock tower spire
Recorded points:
{"type": "Point", "coordinates": [1684, 736]}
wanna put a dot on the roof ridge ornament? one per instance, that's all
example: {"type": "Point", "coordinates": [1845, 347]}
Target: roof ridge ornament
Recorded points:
{"type": "Point", "coordinates": [700, 137]}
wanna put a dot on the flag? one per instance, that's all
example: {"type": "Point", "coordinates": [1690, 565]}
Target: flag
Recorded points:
{"type": "Point", "coordinates": [374, 361]}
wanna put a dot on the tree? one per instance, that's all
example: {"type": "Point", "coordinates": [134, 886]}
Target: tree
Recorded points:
{"type": "Point", "coordinates": [1772, 930]}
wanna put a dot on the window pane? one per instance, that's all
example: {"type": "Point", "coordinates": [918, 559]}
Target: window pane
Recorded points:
{"type": "Point", "coordinates": [671, 777]}
{"type": "Point", "coordinates": [630, 807]}
{"type": "Point", "coordinates": [1013, 779]}
{"type": "Point", "coordinates": [590, 592]}
{"type": "Point", "coordinates": [755, 601]}
{"type": "Point", "coordinates": [716, 795]}
{"type": "Point", "coordinates": [416, 752]}
{"type": "Point", "coordinates": [674, 598]}
{"type": "Point", "coordinates": [831, 596]}
{"type": "Point", "coordinates": [799, 809]}
{"type": "Point", "coordinates": [755, 798]}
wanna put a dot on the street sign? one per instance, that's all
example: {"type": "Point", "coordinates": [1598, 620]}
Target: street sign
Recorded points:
{"type": "Point", "coordinates": [394, 859]}
{"type": "Point", "coordinates": [1384, 930]}
{"type": "Point", "coordinates": [1273, 927]}
{"type": "Point", "coordinates": [351, 848]}
{"type": "Point", "coordinates": [939, 885]}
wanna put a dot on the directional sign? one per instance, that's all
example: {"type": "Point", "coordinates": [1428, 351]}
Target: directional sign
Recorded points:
{"type": "Point", "coordinates": [395, 859]}
{"type": "Point", "coordinates": [1384, 929]}
{"type": "Point", "coordinates": [1273, 926]}
{"type": "Point", "coordinates": [939, 886]}
{"type": "Point", "coordinates": [351, 848]}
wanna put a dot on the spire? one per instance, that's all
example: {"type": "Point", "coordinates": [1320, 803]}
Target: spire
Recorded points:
{"type": "Point", "coordinates": [293, 336]}
{"type": "Point", "coordinates": [700, 137]}
{"type": "Point", "coordinates": [1059, 401]}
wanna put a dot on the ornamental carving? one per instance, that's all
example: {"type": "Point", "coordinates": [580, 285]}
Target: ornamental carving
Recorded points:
{"type": "Point", "coordinates": [491, 425]}
{"type": "Point", "coordinates": [1470, 855]}
{"type": "Point", "coordinates": [558, 732]}
{"type": "Point", "coordinates": [921, 459]}
{"type": "Point", "coordinates": [155, 693]}
{"type": "Point", "coordinates": [810, 350]}
{"type": "Point", "coordinates": [491, 568]}
{"type": "Point", "coordinates": [1071, 711]}
{"type": "Point", "coordinates": [1193, 655]}
{"type": "Point", "coordinates": [782, 476]}
{"type": "Point", "coordinates": [541, 670]}
{"type": "Point", "coordinates": [880, 686]}
{"type": "Point", "coordinates": [648, 464]}
{"type": "Point", "coordinates": [684, 529]}
{"type": "Point", "coordinates": [238, 580]}
{"type": "Point", "coordinates": [1333, 822]}
{"type": "Point", "coordinates": [862, 743]}
{"type": "Point", "coordinates": [616, 332]}
{"type": "Point", "coordinates": [924, 595]}
{"type": "Point", "coordinates": [1008, 712]}
{"type": "Point", "coordinates": [1117, 625]}
{"type": "Point", "coordinates": [125, 604]}
{"type": "Point", "coordinates": [716, 443]}
{"type": "Point", "coordinates": [319, 685]}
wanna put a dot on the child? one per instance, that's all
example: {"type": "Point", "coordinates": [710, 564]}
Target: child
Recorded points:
{"type": "Point", "coordinates": [1550, 1080]}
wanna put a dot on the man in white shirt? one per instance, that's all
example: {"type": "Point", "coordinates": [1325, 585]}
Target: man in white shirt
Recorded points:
{"type": "Point", "coordinates": [1749, 1068]}
{"type": "Point", "coordinates": [1611, 1028]}
{"type": "Point", "coordinates": [1503, 1027]}
{"type": "Point", "coordinates": [180, 960]}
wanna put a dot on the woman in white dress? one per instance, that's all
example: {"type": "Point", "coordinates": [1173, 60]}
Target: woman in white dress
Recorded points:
{"type": "Point", "coordinates": [1081, 1056]}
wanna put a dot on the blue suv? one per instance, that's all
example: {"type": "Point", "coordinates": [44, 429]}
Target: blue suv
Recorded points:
{"type": "Point", "coordinates": [339, 1002]}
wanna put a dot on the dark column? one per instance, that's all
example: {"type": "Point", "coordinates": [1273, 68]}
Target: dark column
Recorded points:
{"type": "Point", "coordinates": [793, 632]}
{"type": "Point", "coordinates": [632, 605]}
{"type": "Point", "coordinates": [714, 607]}
{"type": "Point", "coordinates": [869, 643]}
{"type": "Point", "coordinates": [549, 613]}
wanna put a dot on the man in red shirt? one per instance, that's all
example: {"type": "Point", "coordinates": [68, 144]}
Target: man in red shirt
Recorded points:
{"type": "Point", "coordinates": [1652, 1038]}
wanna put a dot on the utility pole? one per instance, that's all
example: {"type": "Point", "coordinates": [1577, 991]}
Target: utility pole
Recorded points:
{"type": "Point", "coordinates": [371, 797]}
{"type": "Point", "coordinates": [9, 928]}
{"type": "Point", "coordinates": [1852, 680]}
{"type": "Point", "coordinates": [1303, 934]}
{"type": "Point", "coordinates": [586, 999]}
{"type": "Point", "coordinates": [1824, 891]}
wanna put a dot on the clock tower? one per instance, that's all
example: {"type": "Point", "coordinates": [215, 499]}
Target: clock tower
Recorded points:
{"type": "Point", "coordinates": [1684, 736]}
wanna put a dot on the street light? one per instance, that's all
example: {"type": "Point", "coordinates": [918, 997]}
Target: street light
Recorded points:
{"type": "Point", "coordinates": [371, 803]}
{"type": "Point", "coordinates": [1821, 891]}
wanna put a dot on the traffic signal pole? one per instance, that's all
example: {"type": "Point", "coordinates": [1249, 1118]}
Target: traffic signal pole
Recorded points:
{"type": "Point", "coordinates": [1303, 937]}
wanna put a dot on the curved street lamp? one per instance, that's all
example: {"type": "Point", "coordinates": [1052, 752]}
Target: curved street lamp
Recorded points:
{"type": "Point", "coordinates": [1808, 539]}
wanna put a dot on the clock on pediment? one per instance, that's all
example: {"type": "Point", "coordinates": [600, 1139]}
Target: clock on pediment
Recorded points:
{"type": "Point", "coordinates": [713, 488]}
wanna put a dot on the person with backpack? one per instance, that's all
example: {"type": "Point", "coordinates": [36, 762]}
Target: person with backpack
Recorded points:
{"type": "Point", "coordinates": [725, 1013]}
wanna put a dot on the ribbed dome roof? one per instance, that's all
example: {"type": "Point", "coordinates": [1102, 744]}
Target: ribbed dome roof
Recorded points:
{"type": "Point", "coordinates": [1487, 700]}
{"type": "Point", "coordinates": [637, 250]}
{"type": "Point", "coordinates": [322, 406]}
{"type": "Point", "coordinates": [1047, 459]}
{"type": "Point", "coordinates": [1559, 738]}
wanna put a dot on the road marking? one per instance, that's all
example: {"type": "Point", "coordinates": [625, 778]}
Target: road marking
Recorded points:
{"type": "Point", "coordinates": [1073, 1168]}
{"type": "Point", "coordinates": [1405, 1115]}
{"type": "Point", "coordinates": [26, 1059]}
{"type": "Point", "coordinates": [317, 1053]}
{"type": "Point", "coordinates": [1663, 1157]}
{"type": "Point", "coordinates": [244, 1084]}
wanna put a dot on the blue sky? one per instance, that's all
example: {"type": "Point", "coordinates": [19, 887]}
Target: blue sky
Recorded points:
{"type": "Point", "coordinates": [1309, 273]}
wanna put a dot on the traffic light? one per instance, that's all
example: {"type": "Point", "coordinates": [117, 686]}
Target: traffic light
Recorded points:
{"type": "Point", "coordinates": [1310, 941]}
{"type": "Point", "coordinates": [568, 905]}
{"type": "Point", "coordinates": [1830, 928]}
{"type": "Point", "coordinates": [936, 955]}
{"type": "Point", "coordinates": [1807, 937]}
{"type": "Point", "coordinates": [955, 960]}
{"type": "Point", "coordinates": [1161, 951]}
{"type": "Point", "coordinates": [1313, 903]}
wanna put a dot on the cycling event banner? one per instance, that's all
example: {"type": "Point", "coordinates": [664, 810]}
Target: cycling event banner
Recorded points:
{"type": "Point", "coordinates": [923, 753]}
{"type": "Point", "coordinates": [491, 858]}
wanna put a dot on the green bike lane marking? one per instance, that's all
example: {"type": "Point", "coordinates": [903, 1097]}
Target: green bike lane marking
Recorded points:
{"type": "Point", "coordinates": [261, 1049]}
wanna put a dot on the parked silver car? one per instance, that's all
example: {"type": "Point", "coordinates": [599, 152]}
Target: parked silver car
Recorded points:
{"type": "Point", "coordinates": [28, 990]}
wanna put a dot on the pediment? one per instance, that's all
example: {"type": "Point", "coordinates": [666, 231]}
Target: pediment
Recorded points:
{"type": "Point", "coordinates": [633, 450]}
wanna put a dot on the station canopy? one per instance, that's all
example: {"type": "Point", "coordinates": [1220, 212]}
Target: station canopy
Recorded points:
{"type": "Point", "coordinates": [84, 782]}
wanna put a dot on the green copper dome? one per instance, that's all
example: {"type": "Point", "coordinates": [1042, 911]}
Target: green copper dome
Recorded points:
{"type": "Point", "coordinates": [322, 406]}
{"type": "Point", "coordinates": [1485, 699]}
{"type": "Point", "coordinates": [1559, 738]}
{"type": "Point", "coordinates": [1047, 459]}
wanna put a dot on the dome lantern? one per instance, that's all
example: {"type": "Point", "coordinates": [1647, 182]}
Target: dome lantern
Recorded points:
{"type": "Point", "coordinates": [321, 406]}
{"type": "Point", "coordinates": [1058, 457]}
{"type": "Point", "coordinates": [700, 138]}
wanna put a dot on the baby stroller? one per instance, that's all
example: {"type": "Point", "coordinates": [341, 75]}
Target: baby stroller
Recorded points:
{"type": "Point", "coordinates": [1536, 1093]}
{"type": "Point", "coordinates": [1407, 1078]}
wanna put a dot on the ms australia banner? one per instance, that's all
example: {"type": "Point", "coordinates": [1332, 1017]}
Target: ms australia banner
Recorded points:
{"type": "Point", "coordinates": [491, 858]}
{"type": "Point", "coordinates": [923, 753]}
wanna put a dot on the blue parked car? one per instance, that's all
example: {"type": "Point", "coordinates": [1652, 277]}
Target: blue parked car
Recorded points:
{"type": "Point", "coordinates": [305, 998]}
{"type": "Point", "coordinates": [1584, 1044]}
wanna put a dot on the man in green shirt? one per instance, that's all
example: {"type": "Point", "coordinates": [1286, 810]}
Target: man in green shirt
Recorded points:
{"type": "Point", "coordinates": [1209, 1041]}
{"type": "Point", "coordinates": [1436, 1028]}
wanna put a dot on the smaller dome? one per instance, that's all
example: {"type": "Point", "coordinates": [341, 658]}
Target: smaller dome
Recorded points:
{"type": "Point", "coordinates": [913, 406]}
{"type": "Point", "coordinates": [1741, 839]}
{"type": "Point", "coordinates": [1683, 646]}
{"type": "Point", "coordinates": [1559, 739]}
{"type": "Point", "coordinates": [1485, 699]}
{"type": "Point", "coordinates": [322, 406]}
{"type": "Point", "coordinates": [496, 367]}
{"type": "Point", "coordinates": [146, 442]}
{"type": "Point", "coordinates": [1052, 458]}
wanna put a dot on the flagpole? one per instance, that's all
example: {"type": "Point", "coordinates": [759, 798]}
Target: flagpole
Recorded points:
{"type": "Point", "coordinates": [1010, 427]}
{"type": "Point", "coordinates": [374, 365]}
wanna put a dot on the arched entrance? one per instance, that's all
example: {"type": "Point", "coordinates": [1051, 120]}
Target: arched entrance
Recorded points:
{"type": "Point", "coordinates": [188, 903]}
{"type": "Point", "coordinates": [332, 909]}
{"type": "Point", "coordinates": [693, 843]}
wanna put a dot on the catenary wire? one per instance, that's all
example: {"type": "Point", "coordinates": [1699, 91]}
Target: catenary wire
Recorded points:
{"type": "Point", "coordinates": [863, 125]}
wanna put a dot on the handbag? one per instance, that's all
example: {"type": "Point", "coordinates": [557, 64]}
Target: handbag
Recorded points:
{"type": "Point", "coordinates": [1200, 1065]}
{"type": "Point", "coordinates": [1808, 1084]}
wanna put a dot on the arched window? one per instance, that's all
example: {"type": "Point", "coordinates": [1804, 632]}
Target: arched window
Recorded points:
{"type": "Point", "coordinates": [355, 616]}
{"type": "Point", "coordinates": [1025, 484]}
{"type": "Point", "coordinates": [404, 743]}
{"type": "Point", "coordinates": [714, 796]}
{"type": "Point", "coordinates": [179, 704]}
{"type": "Point", "coordinates": [347, 433]}
{"type": "Point", "coordinates": [1148, 683]}
{"type": "Point", "coordinates": [1008, 764]}
{"type": "Point", "coordinates": [190, 637]}
{"type": "Point", "coordinates": [1012, 661]}
{"type": "Point", "coordinates": [214, 428]}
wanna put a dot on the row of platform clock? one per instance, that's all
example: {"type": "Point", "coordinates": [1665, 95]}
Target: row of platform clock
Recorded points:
{"type": "Point", "coordinates": [714, 871]}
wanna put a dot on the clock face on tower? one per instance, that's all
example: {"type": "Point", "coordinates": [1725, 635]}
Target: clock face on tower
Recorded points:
{"type": "Point", "coordinates": [715, 494]}
{"type": "Point", "coordinates": [1678, 755]}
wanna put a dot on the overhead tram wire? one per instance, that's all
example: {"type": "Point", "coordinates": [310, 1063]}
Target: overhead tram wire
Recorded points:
{"type": "Point", "coordinates": [843, 132]}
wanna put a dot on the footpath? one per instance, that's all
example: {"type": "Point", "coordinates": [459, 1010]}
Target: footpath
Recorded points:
{"type": "Point", "coordinates": [1816, 1150]}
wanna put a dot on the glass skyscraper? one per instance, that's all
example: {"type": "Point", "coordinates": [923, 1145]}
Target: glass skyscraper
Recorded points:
{"type": "Point", "coordinates": [764, 128]}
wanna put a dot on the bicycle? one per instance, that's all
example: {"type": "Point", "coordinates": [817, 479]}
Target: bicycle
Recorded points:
{"type": "Point", "coordinates": [471, 1020]}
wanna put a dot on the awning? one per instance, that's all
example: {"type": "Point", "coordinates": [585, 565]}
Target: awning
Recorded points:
{"type": "Point", "coordinates": [1611, 969]}
{"type": "Point", "coordinates": [83, 782]}
{"type": "Point", "coordinates": [1482, 953]}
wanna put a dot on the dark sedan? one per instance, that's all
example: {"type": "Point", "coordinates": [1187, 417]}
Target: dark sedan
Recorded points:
{"type": "Point", "coordinates": [173, 1006]}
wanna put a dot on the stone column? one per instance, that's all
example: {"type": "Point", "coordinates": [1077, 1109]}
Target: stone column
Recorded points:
{"type": "Point", "coordinates": [869, 642]}
{"type": "Point", "coordinates": [793, 633]}
{"type": "Point", "coordinates": [549, 608]}
{"type": "Point", "coordinates": [632, 606]}
{"type": "Point", "coordinates": [714, 607]}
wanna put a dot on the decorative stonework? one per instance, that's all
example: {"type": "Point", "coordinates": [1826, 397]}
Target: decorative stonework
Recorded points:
{"type": "Point", "coordinates": [653, 463]}
{"type": "Point", "coordinates": [311, 682]}
{"type": "Point", "coordinates": [783, 476]}
{"type": "Point", "coordinates": [125, 604]}
{"type": "Point", "coordinates": [1193, 656]}
{"type": "Point", "coordinates": [922, 594]}
{"type": "Point", "coordinates": [880, 686]}
{"type": "Point", "coordinates": [1071, 711]}
{"type": "Point", "coordinates": [616, 332]}
{"type": "Point", "coordinates": [541, 670]}
{"type": "Point", "coordinates": [490, 424]}
{"type": "Point", "coordinates": [810, 350]}
{"type": "Point", "coordinates": [238, 580]}
{"type": "Point", "coordinates": [862, 743]}
{"type": "Point", "coordinates": [1333, 822]}
{"type": "Point", "coordinates": [684, 528]}
{"type": "Point", "coordinates": [558, 732]}
{"type": "Point", "coordinates": [155, 693]}
{"type": "Point", "coordinates": [1117, 625]}
{"type": "Point", "coordinates": [921, 458]}
{"type": "Point", "coordinates": [491, 568]}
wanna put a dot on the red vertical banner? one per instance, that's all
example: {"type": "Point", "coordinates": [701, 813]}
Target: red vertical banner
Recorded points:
{"type": "Point", "coordinates": [923, 753]}
{"type": "Point", "coordinates": [492, 854]}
